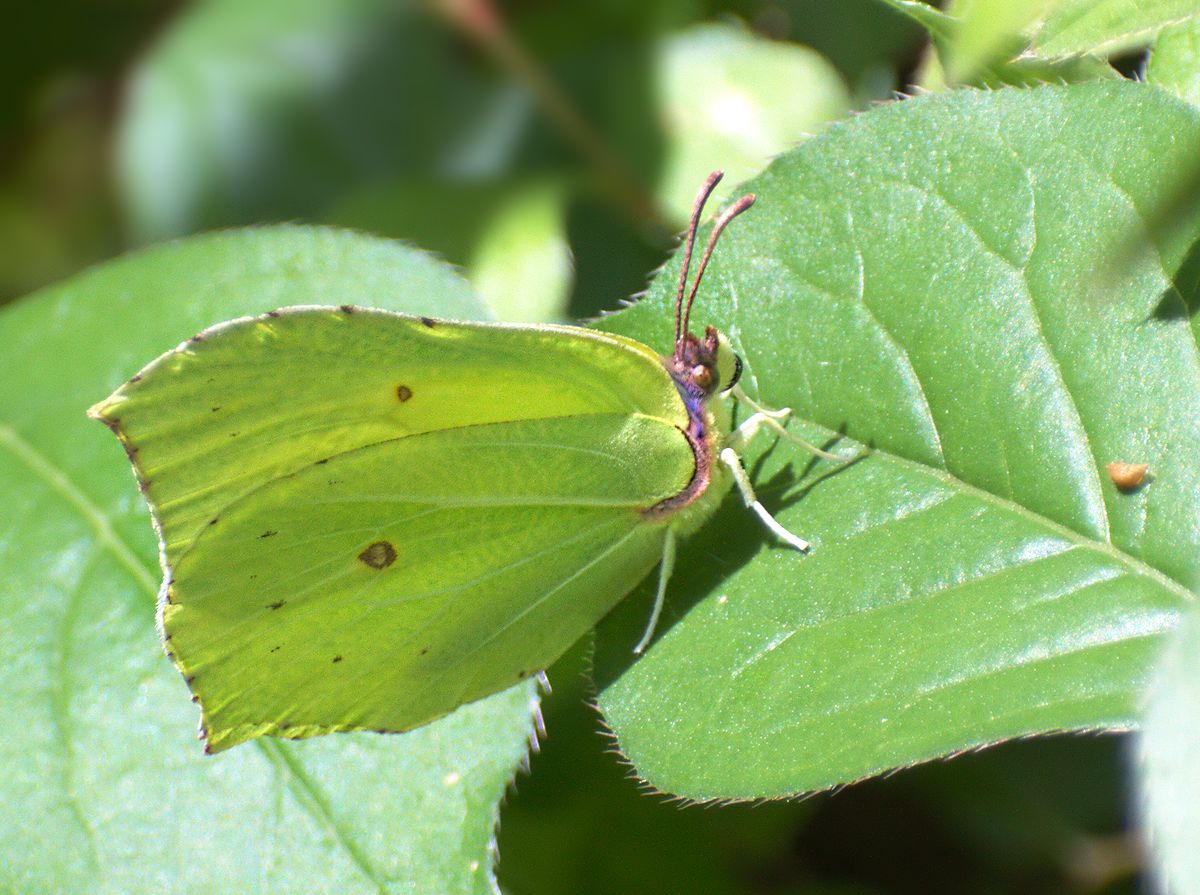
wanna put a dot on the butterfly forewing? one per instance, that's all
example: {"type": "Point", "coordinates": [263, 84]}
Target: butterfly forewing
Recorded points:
{"type": "Point", "coordinates": [257, 398]}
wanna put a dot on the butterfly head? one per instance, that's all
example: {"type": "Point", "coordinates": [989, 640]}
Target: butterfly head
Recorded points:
{"type": "Point", "coordinates": [703, 365]}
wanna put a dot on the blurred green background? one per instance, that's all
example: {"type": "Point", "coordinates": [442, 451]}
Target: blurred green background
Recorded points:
{"type": "Point", "coordinates": [550, 150]}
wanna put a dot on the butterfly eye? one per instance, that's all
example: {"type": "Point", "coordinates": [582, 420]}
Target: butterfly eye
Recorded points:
{"type": "Point", "coordinates": [737, 373]}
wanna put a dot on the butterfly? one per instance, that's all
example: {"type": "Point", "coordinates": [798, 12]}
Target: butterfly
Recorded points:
{"type": "Point", "coordinates": [367, 519]}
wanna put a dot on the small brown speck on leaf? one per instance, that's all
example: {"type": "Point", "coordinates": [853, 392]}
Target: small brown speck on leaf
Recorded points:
{"type": "Point", "coordinates": [1127, 476]}
{"type": "Point", "coordinates": [403, 392]}
{"type": "Point", "coordinates": [379, 555]}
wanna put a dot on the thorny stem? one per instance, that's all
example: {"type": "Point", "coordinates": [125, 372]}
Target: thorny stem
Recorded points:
{"type": "Point", "coordinates": [479, 20]}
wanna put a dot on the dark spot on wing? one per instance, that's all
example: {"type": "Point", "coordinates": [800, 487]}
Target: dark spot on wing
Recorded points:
{"type": "Point", "coordinates": [198, 337]}
{"type": "Point", "coordinates": [188, 680]}
{"type": "Point", "coordinates": [276, 649]}
{"type": "Point", "coordinates": [213, 520]}
{"type": "Point", "coordinates": [336, 659]}
{"type": "Point", "coordinates": [429, 321]}
{"type": "Point", "coordinates": [321, 462]}
{"type": "Point", "coordinates": [424, 651]}
{"type": "Point", "coordinates": [215, 409]}
{"type": "Point", "coordinates": [403, 392]}
{"type": "Point", "coordinates": [234, 434]}
{"type": "Point", "coordinates": [521, 674]}
{"type": "Point", "coordinates": [136, 377]}
{"type": "Point", "coordinates": [268, 534]}
{"type": "Point", "coordinates": [379, 555]}
{"type": "Point", "coordinates": [346, 309]}
{"type": "Point", "coordinates": [276, 605]}
{"type": "Point", "coordinates": [195, 698]}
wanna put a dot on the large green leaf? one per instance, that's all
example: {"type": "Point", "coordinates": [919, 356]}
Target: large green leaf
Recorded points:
{"type": "Point", "coordinates": [105, 788]}
{"type": "Point", "coordinates": [927, 278]}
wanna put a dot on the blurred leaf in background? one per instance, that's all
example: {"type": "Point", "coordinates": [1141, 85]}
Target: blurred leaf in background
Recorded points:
{"type": "Point", "coordinates": [62, 67]}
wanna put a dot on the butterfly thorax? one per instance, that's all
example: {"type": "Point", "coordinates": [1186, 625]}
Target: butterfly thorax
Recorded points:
{"type": "Point", "coordinates": [696, 369]}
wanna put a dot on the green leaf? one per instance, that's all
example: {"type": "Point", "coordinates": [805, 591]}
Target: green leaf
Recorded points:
{"type": "Point", "coordinates": [245, 113]}
{"type": "Point", "coordinates": [1170, 774]}
{"type": "Point", "coordinates": [985, 43]}
{"type": "Point", "coordinates": [1175, 63]}
{"type": "Point", "coordinates": [733, 101]}
{"type": "Point", "coordinates": [939, 25]}
{"type": "Point", "coordinates": [987, 28]}
{"type": "Point", "coordinates": [1106, 26]}
{"type": "Point", "coordinates": [105, 785]}
{"type": "Point", "coordinates": [923, 279]}
{"type": "Point", "coordinates": [508, 237]}
{"type": "Point", "coordinates": [522, 264]}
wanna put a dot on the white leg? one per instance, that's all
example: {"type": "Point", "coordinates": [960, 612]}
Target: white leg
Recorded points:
{"type": "Point", "coordinates": [730, 458]}
{"type": "Point", "coordinates": [664, 575]}
{"type": "Point", "coordinates": [772, 419]}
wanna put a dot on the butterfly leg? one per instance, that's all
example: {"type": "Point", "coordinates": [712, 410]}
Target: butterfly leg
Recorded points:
{"type": "Point", "coordinates": [773, 420]}
{"type": "Point", "coordinates": [730, 458]}
{"type": "Point", "coordinates": [664, 575]}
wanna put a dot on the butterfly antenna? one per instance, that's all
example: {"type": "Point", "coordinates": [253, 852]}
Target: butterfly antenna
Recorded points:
{"type": "Point", "coordinates": [721, 223]}
{"type": "Point", "coordinates": [690, 241]}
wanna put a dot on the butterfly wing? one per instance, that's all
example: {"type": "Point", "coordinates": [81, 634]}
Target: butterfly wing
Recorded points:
{"type": "Point", "coordinates": [385, 519]}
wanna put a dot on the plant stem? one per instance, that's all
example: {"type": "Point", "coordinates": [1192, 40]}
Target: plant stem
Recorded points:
{"type": "Point", "coordinates": [480, 21]}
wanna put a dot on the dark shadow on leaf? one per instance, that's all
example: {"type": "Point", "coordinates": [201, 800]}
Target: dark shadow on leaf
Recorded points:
{"type": "Point", "coordinates": [727, 542]}
{"type": "Point", "coordinates": [1182, 299]}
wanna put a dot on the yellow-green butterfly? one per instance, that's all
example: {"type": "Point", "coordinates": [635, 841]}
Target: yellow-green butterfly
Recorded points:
{"type": "Point", "coordinates": [368, 519]}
